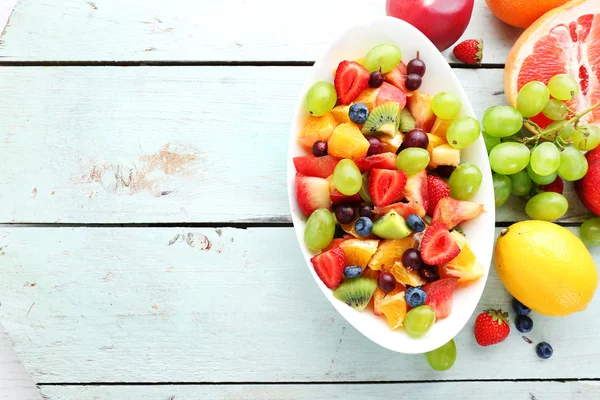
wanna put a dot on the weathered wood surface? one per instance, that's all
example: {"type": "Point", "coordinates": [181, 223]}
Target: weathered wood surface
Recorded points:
{"type": "Point", "coordinates": [432, 391]}
{"type": "Point", "coordinates": [225, 305]}
{"type": "Point", "coordinates": [15, 381]}
{"type": "Point", "coordinates": [207, 30]}
{"type": "Point", "coordinates": [162, 144]}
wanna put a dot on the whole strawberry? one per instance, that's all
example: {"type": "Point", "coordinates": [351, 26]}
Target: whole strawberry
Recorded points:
{"type": "Point", "coordinates": [491, 327]}
{"type": "Point", "coordinates": [469, 51]}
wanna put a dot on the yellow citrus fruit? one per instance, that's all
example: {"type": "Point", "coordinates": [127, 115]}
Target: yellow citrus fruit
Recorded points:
{"type": "Point", "coordinates": [316, 128]}
{"type": "Point", "coordinates": [347, 141]}
{"type": "Point", "coordinates": [359, 252]}
{"type": "Point", "coordinates": [394, 309]}
{"type": "Point", "coordinates": [389, 252]}
{"type": "Point", "coordinates": [464, 266]}
{"type": "Point", "coordinates": [405, 276]}
{"type": "Point", "coordinates": [546, 267]}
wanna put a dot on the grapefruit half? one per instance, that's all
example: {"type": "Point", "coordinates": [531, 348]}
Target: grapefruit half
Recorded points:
{"type": "Point", "coordinates": [565, 40]}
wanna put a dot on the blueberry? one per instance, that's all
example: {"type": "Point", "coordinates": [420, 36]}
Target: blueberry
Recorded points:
{"type": "Point", "coordinates": [519, 308]}
{"type": "Point", "coordinates": [544, 350]}
{"type": "Point", "coordinates": [415, 223]}
{"type": "Point", "coordinates": [358, 113]}
{"type": "Point", "coordinates": [415, 296]}
{"type": "Point", "coordinates": [363, 226]}
{"type": "Point", "coordinates": [353, 271]}
{"type": "Point", "coordinates": [524, 323]}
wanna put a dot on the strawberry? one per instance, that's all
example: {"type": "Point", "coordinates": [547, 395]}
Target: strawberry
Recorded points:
{"type": "Point", "coordinates": [329, 266]}
{"type": "Point", "coordinates": [438, 246]}
{"type": "Point", "coordinates": [439, 296]}
{"type": "Point", "coordinates": [469, 51]}
{"type": "Point", "coordinates": [417, 193]}
{"type": "Point", "coordinates": [437, 189]}
{"type": "Point", "coordinates": [321, 167]}
{"type": "Point", "coordinates": [351, 78]}
{"type": "Point", "coordinates": [453, 212]}
{"type": "Point", "coordinates": [312, 193]}
{"type": "Point", "coordinates": [381, 161]}
{"type": "Point", "coordinates": [491, 327]}
{"type": "Point", "coordinates": [557, 186]}
{"type": "Point", "coordinates": [386, 186]}
{"type": "Point", "coordinates": [403, 209]}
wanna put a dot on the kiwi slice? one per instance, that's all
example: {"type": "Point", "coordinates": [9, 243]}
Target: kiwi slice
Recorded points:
{"type": "Point", "coordinates": [383, 120]}
{"type": "Point", "coordinates": [356, 292]}
{"type": "Point", "coordinates": [406, 122]}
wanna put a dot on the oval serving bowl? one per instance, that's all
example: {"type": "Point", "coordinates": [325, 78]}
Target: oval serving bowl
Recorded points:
{"type": "Point", "coordinates": [352, 45]}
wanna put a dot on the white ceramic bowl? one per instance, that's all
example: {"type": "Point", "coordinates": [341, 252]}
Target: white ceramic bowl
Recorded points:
{"type": "Point", "coordinates": [354, 44]}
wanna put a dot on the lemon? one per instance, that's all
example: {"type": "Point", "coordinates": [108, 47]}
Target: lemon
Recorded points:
{"type": "Point", "coordinates": [546, 267]}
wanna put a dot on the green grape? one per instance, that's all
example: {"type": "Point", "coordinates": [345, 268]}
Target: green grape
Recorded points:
{"type": "Point", "coordinates": [556, 110]}
{"type": "Point", "coordinates": [446, 105]}
{"type": "Point", "coordinates": [319, 229]}
{"type": "Point", "coordinates": [384, 57]}
{"type": "Point", "coordinates": [465, 181]}
{"type": "Point", "coordinates": [502, 121]}
{"type": "Point", "coordinates": [419, 321]}
{"type": "Point", "coordinates": [364, 189]}
{"type": "Point", "coordinates": [490, 141]}
{"type": "Point", "coordinates": [502, 188]}
{"type": "Point", "coordinates": [545, 159]}
{"type": "Point", "coordinates": [573, 165]}
{"type": "Point", "coordinates": [532, 98]}
{"type": "Point", "coordinates": [463, 132]}
{"type": "Point", "coordinates": [590, 232]}
{"type": "Point", "coordinates": [412, 160]}
{"type": "Point", "coordinates": [347, 178]}
{"type": "Point", "coordinates": [509, 158]}
{"type": "Point", "coordinates": [539, 179]}
{"type": "Point", "coordinates": [443, 358]}
{"type": "Point", "coordinates": [565, 132]}
{"type": "Point", "coordinates": [320, 99]}
{"type": "Point", "coordinates": [520, 183]}
{"type": "Point", "coordinates": [563, 87]}
{"type": "Point", "coordinates": [586, 137]}
{"type": "Point", "coordinates": [547, 206]}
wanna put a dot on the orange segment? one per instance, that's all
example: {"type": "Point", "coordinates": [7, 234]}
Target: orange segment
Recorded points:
{"type": "Point", "coordinates": [389, 252]}
{"type": "Point", "coordinates": [405, 276]}
{"type": "Point", "coordinates": [340, 114]}
{"type": "Point", "coordinates": [378, 296]}
{"type": "Point", "coordinates": [371, 274]}
{"type": "Point", "coordinates": [359, 252]}
{"type": "Point", "coordinates": [434, 141]}
{"type": "Point", "coordinates": [394, 309]}
{"type": "Point", "coordinates": [368, 97]}
{"type": "Point", "coordinates": [347, 141]}
{"type": "Point", "coordinates": [316, 128]}
{"type": "Point", "coordinates": [465, 266]}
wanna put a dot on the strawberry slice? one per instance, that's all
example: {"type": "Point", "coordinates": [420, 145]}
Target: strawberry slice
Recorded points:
{"type": "Point", "coordinates": [437, 190]}
{"type": "Point", "coordinates": [403, 209]}
{"type": "Point", "coordinates": [416, 191]}
{"type": "Point", "coordinates": [321, 167]}
{"type": "Point", "coordinates": [452, 212]}
{"type": "Point", "coordinates": [381, 161]}
{"type": "Point", "coordinates": [386, 186]}
{"type": "Point", "coordinates": [438, 247]}
{"type": "Point", "coordinates": [338, 198]}
{"type": "Point", "coordinates": [351, 78]}
{"type": "Point", "coordinates": [329, 266]}
{"type": "Point", "coordinates": [439, 296]}
{"type": "Point", "coordinates": [312, 193]}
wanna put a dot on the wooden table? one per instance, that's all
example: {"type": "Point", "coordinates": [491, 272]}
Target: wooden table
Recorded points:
{"type": "Point", "coordinates": [146, 246]}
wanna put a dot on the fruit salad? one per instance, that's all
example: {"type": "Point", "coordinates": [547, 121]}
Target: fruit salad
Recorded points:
{"type": "Point", "coordinates": [385, 192]}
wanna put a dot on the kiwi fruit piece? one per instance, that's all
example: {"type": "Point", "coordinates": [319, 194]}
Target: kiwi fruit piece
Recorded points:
{"type": "Point", "coordinates": [356, 292]}
{"type": "Point", "coordinates": [383, 120]}
{"type": "Point", "coordinates": [406, 122]}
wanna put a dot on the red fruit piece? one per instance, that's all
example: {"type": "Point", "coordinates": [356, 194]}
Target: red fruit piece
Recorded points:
{"type": "Point", "coordinates": [335, 243]}
{"type": "Point", "coordinates": [312, 193]}
{"type": "Point", "coordinates": [438, 246]}
{"type": "Point", "coordinates": [557, 186]}
{"type": "Point", "coordinates": [588, 188]}
{"type": "Point", "coordinates": [452, 212]}
{"type": "Point", "coordinates": [386, 186]}
{"type": "Point", "coordinates": [351, 78]}
{"type": "Point", "coordinates": [329, 266]}
{"type": "Point", "coordinates": [397, 77]}
{"type": "Point", "coordinates": [416, 191]}
{"type": "Point", "coordinates": [439, 296]}
{"type": "Point", "coordinates": [338, 198]}
{"type": "Point", "coordinates": [403, 209]}
{"type": "Point", "coordinates": [320, 167]}
{"type": "Point", "coordinates": [491, 327]}
{"type": "Point", "coordinates": [381, 161]}
{"type": "Point", "coordinates": [389, 92]}
{"type": "Point", "coordinates": [469, 51]}
{"type": "Point", "coordinates": [437, 190]}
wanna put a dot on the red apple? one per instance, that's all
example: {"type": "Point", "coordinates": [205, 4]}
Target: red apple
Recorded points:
{"type": "Point", "coordinates": [442, 21]}
{"type": "Point", "coordinates": [588, 188]}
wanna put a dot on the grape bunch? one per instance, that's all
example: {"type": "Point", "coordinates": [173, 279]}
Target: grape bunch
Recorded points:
{"type": "Point", "coordinates": [525, 157]}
